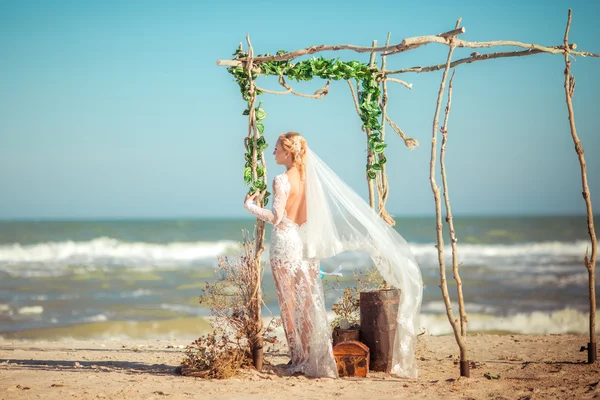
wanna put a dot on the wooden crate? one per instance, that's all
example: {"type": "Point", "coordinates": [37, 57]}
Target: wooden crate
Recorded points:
{"type": "Point", "coordinates": [351, 358]}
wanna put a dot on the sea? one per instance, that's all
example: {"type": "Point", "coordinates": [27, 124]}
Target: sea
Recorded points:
{"type": "Point", "coordinates": [124, 279]}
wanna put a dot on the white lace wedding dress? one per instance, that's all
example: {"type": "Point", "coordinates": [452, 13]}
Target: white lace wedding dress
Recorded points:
{"type": "Point", "coordinates": [338, 220]}
{"type": "Point", "coordinates": [299, 289]}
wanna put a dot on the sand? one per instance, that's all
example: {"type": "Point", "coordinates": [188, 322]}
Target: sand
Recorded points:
{"type": "Point", "coordinates": [517, 367]}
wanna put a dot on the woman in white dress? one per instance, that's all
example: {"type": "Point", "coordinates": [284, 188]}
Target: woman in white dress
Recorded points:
{"type": "Point", "coordinates": [298, 288]}
{"type": "Point", "coordinates": [315, 215]}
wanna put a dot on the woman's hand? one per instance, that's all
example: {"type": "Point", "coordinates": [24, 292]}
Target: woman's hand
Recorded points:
{"type": "Point", "coordinates": [250, 197]}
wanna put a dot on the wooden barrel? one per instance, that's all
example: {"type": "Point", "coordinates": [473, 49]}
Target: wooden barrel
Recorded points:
{"type": "Point", "coordinates": [378, 312]}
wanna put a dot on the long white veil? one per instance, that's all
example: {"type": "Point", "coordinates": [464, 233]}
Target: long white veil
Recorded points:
{"type": "Point", "coordinates": [338, 220]}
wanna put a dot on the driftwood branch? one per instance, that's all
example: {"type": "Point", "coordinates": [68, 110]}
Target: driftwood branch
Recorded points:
{"type": "Point", "coordinates": [415, 42]}
{"type": "Point", "coordinates": [274, 91]}
{"type": "Point", "coordinates": [472, 58]}
{"type": "Point", "coordinates": [256, 339]}
{"type": "Point", "coordinates": [354, 97]}
{"type": "Point", "coordinates": [319, 93]}
{"type": "Point", "coordinates": [590, 263]}
{"type": "Point", "coordinates": [438, 212]}
{"type": "Point", "coordinates": [324, 47]}
{"type": "Point", "coordinates": [408, 85]}
{"type": "Point", "coordinates": [382, 180]}
{"type": "Point", "coordinates": [452, 33]}
{"type": "Point", "coordinates": [370, 152]}
{"type": "Point", "coordinates": [409, 142]}
{"type": "Point", "coordinates": [452, 233]}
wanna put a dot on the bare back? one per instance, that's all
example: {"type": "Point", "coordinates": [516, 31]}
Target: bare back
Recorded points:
{"type": "Point", "coordinates": [295, 206]}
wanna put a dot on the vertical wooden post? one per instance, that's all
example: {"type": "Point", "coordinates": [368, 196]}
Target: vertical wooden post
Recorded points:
{"type": "Point", "coordinates": [590, 263]}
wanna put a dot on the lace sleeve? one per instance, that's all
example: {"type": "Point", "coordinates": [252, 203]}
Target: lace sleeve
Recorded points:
{"type": "Point", "coordinates": [275, 215]}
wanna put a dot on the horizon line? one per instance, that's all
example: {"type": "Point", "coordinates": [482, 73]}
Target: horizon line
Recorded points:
{"type": "Point", "coordinates": [250, 218]}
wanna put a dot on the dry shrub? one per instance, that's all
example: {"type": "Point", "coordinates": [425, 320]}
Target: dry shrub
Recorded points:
{"type": "Point", "coordinates": [213, 357]}
{"type": "Point", "coordinates": [222, 353]}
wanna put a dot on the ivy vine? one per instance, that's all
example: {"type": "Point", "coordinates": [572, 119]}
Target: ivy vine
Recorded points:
{"type": "Point", "coordinates": [306, 70]}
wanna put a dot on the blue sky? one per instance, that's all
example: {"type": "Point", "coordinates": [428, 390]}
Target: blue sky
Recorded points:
{"type": "Point", "coordinates": [116, 109]}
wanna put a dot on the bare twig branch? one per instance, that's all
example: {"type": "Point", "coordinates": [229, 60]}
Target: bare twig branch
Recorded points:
{"type": "Point", "coordinates": [324, 47]}
{"type": "Point", "coordinates": [273, 91]}
{"type": "Point", "coordinates": [409, 142]}
{"type": "Point", "coordinates": [405, 46]}
{"type": "Point", "coordinates": [472, 58]}
{"type": "Point", "coordinates": [408, 85]}
{"type": "Point", "coordinates": [438, 212]}
{"type": "Point", "coordinates": [370, 153]}
{"type": "Point", "coordinates": [410, 44]}
{"type": "Point", "coordinates": [319, 93]}
{"type": "Point", "coordinates": [590, 263]}
{"type": "Point", "coordinates": [452, 33]}
{"type": "Point", "coordinates": [382, 180]}
{"type": "Point", "coordinates": [449, 221]}
{"type": "Point", "coordinates": [354, 97]}
{"type": "Point", "coordinates": [256, 340]}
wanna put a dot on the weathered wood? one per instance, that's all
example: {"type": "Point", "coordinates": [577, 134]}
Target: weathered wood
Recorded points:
{"type": "Point", "coordinates": [460, 339]}
{"type": "Point", "coordinates": [590, 263]}
{"type": "Point", "coordinates": [351, 358]}
{"type": "Point", "coordinates": [378, 324]}
{"type": "Point", "coordinates": [255, 338]}
{"type": "Point", "coordinates": [345, 335]}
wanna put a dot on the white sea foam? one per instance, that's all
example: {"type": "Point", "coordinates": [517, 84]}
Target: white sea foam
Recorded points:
{"type": "Point", "coordinates": [505, 255]}
{"type": "Point", "coordinates": [31, 310]}
{"type": "Point", "coordinates": [96, 318]}
{"type": "Point", "coordinates": [6, 310]}
{"type": "Point", "coordinates": [440, 307]}
{"type": "Point", "coordinates": [136, 293]}
{"type": "Point", "coordinates": [495, 250]}
{"type": "Point", "coordinates": [182, 308]}
{"type": "Point", "coordinates": [535, 323]}
{"type": "Point", "coordinates": [542, 323]}
{"type": "Point", "coordinates": [549, 280]}
{"type": "Point", "coordinates": [105, 251]}
{"type": "Point", "coordinates": [18, 259]}
{"type": "Point", "coordinates": [39, 297]}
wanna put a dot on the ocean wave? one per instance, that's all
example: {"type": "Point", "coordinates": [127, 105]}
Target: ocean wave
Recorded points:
{"type": "Point", "coordinates": [439, 307]}
{"type": "Point", "coordinates": [31, 310]}
{"type": "Point", "coordinates": [565, 321]}
{"type": "Point", "coordinates": [6, 310]}
{"type": "Point", "coordinates": [538, 322]}
{"type": "Point", "coordinates": [535, 253]}
{"type": "Point", "coordinates": [184, 309]}
{"type": "Point", "coordinates": [549, 280]}
{"type": "Point", "coordinates": [42, 259]}
{"type": "Point", "coordinates": [105, 251]}
{"type": "Point", "coordinates": [96, 318]}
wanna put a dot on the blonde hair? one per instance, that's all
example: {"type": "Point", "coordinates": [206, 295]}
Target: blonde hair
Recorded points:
{"type": "Point", "coordinates": [295, 144]}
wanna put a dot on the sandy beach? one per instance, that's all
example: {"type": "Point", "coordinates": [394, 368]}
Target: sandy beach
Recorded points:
{"type": "Point", "coordinates": [503, 367]}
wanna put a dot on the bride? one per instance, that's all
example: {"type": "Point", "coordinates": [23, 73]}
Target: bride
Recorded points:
{"type": "Point", "coordinates": [315, 215]}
